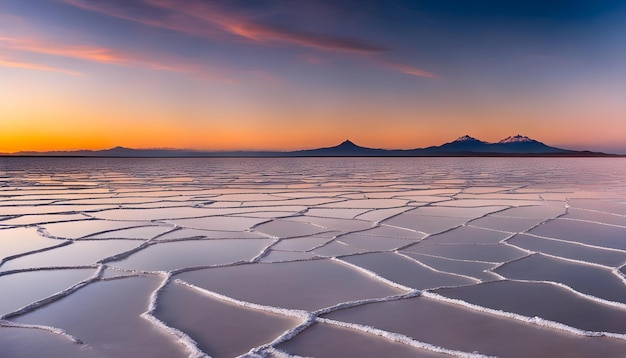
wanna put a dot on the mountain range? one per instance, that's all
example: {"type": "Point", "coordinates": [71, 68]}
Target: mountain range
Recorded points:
{"type": "Point", "coordinates": [465, 146]}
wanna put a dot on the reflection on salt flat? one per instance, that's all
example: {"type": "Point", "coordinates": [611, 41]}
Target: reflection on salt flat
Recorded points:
{"type": "Point", "coordinates": [106, 314]}
{"type": "Point", "coordinates": [326, 340]}
{"type": "Point", "coordinates": [77, 253]}
{"type": "Point", "coordinates": [168, 256]}
{"type": "Point", "coordinates": [306, 285]}
{"type": "Point", "coordinates": [544, 300]}
{"type": "Point", "coordinates": [472, 252]}
{"type": "Point", "coordinates": [20, 240]}
{"type": "Point", "coordinates": [463, 329]}
{"type": "Point", "coordinates": [20, 342]}
{"type": "Point", "coordinates": [31, 286]}
{"type": "Point", "coordinates": [405, 271]}
{"type": "Point", "coordinates": [222, 329]}
{"type": "Point", "coordinates": [570, 250]}
{"type": "Point", "coordinates": [312, 256]}
{"type": "Point", "coordinates": [599, 282]}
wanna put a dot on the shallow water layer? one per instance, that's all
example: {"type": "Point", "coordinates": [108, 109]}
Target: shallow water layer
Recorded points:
{"type": "Point", "coordinates": [106, 315]}
{"type": "Point", "coordinates": [222, 329]}
{"type": "Point", "coordinates": [312, 256]}
{"type": "Point", "coordinates": [308, 285]}
{"type": "Point", "coordinates": [325, 340]}
{"type": "Point", "coordinates": [447, 325]}
{"type": "Point", "coordinates": [545, 300]}
{"type": "Point", "coordinates": [16, 342]}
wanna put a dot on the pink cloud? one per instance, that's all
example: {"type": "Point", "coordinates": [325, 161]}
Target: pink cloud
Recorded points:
{"type": "Point", "coordinates": [104, 55]}
{"type": "Point", "coordinates": [210, 21]}
{"type": "Point", "coordinates": [247, 27]}
{"type": "Point", "coordinates": [33, 66]}
{"type": "Point", "coordinates": [89, 53]}
{"type": "Point", "coordinates": [207, 20]}
{"type": "Point", "coordinates": [409, 70]}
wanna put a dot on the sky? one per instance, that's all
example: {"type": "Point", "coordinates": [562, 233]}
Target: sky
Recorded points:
{"type": "Point", "coordinates": [284, 75]}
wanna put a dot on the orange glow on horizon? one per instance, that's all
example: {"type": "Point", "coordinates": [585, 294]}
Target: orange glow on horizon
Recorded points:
{"type": "Point", "coordinates": [230, 76]}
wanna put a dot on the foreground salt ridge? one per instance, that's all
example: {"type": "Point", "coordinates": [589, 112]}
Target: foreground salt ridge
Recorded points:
{"type": "Point", "coordinates": [56, 296]}
{"type": "Point", "coordinates": [308, 318]}
{"type": "Point", "coordinates": [532, 320]}
{"type": "Point", "coordinates": [190, 345]}
{"type": "Point", "coordinates": [104, 263]}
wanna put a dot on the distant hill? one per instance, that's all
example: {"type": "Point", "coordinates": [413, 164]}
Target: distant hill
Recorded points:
{"type": "Point", "coordinates": [347, 149]}
{"type": "Point", "coordinates": [467, 146]}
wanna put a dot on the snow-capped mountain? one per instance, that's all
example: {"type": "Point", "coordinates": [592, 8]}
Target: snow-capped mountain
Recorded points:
{"type": "Point", "coordinates": [520, 144]}
{"type": "Point", "coordinates": [466, 138]}
{"type": "Point", "coordinates": [517, 139]}
{"type": "Point", "coordinates": [462, 144]}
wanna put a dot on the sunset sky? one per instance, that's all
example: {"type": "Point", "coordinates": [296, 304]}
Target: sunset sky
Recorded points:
{"type": "Point", "coordinates": [281, 75]}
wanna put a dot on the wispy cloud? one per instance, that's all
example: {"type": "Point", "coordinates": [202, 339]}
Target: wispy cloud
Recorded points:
{"type": "Point", "coordinates": [217, 22]}
{"type": "Point", "coordinates": [156, 17]}
{"type": "Point", "coordinates": [89, 53]}
{"type": "Point", "coordinates": [4, 62]}
{"type": "Point", "coordinates": [208, 20]}
{"type": "Point", "coordinates": [102, 55]}
{"type": "Point", "coordinates": [409, 70]}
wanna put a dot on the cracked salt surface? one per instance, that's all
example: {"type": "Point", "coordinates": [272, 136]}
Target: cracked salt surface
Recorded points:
{"type": "Point", "coordinates": [312, 256]}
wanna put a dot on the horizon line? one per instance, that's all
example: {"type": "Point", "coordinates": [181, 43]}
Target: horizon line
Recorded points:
{"type": "Point", "coordinates": [384, 152]}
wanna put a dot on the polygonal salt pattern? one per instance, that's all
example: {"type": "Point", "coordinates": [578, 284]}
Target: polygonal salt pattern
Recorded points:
{"type": "Point", "coordinates": [312, 256]}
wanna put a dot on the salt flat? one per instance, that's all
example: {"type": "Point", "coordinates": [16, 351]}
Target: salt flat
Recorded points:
{"type": "Point", "coordinates": [312, 257]}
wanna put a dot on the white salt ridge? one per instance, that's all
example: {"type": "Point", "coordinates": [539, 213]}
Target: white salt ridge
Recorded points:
{"type": "Point", "coordinates": [460, 260]}
{"type": "Point", "coordinates": [582, 262]}
{"type": "Point", "coordinates": [405, 228]}
{"type": "Point", "coordinates": [309, 318]}
{"type": "Point", "coordinates": [603, 301]}
{"type": "Point", "coordinates": [202, 267]}
{"type": "Point", "coordinates": [287, 335]}
{"type": "Point", "coordinates": [56, 296]}
{"type": "Point", "coordinates": [600, 211]}
{"type": "Point", "coordinates": [147, 232]}
{"type": "Point", "coordinates": [375, 214]}
{"type": "Point", "coordinates": [97, 232]}
{"type": "Point", "coordinates": [337, 248]}
{"type": "Point", "coordinates": [373, 275]}
{"type": "Point", "coordinates": [306, 317]}
{"type": "Point", "coordinates": [265, 250]}
{"type": "Point", "coordinates": [43, 232]}
{"type": "Point", "coordinates": [54, 330]}
{"type": "Point", "coordinates": [190, 345]}
{"type": "Point", "coordinates": [400, 338]}
{"type": "Point", "coordinates": [506, 243]}
{"type": "Point", "coordinates": [332, 239]}
{"type": "Point", "coordinates": [5, 259]}
{"type": "Point", "coordinates": [595, 222]}
{"type": "Point", "coordinates": [127, 253]}
{"type": "Point", "coordinates": [294, 256]}
{"type": "Point", "coordinates": [575, 243]}
{"type": "Point", "coordinates": [532, 320]}
{"type": "Point", "coordinates": [350, 304]}
{"type": "Point", "coordinates": [300, 314]}
{"type": "Point", "coordinates": [500, 264]}
{"type": "Point", "coordinates": [434, 269]}
{"type": "Point", "coordinates": [51, 268]}
{"type": "Point", "coordinates": [122, 276]}
{"type": "Point", "coordinates": [469, 224]}
{"type": "Point", "coordinates": [613, 270]}
{"type": "Point", "coordinates": [269, 352]}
